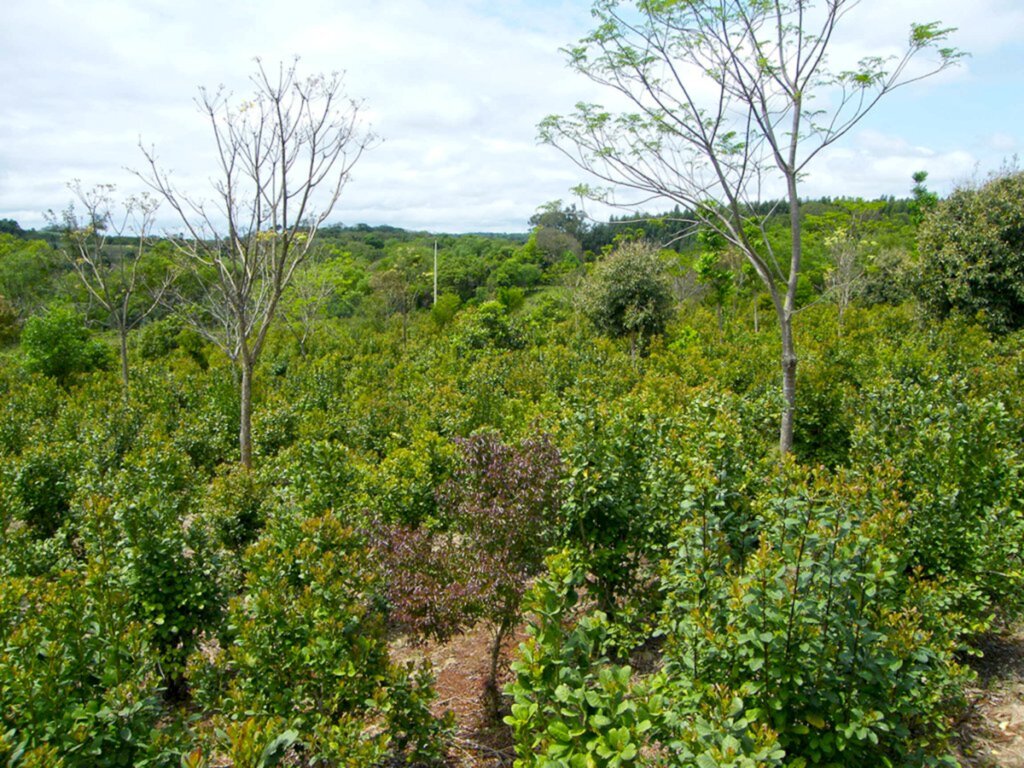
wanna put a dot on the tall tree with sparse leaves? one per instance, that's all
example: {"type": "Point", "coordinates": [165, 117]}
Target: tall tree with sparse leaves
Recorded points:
{"type": "Point", "coordinates": [284, 156]}
{"type": "Point", "coordinates": [727, 96]}
{"type": "Point", "coordinates": [117, 276]}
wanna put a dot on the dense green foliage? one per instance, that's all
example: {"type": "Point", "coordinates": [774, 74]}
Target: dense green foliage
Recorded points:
{"type": "Point", "coordinates": [28, 269]}
{"type": "Point", "coordinates": [57, 344]}
{"type": "Point", "coordinates": [972, 253]}
{"type": "Point", "coordinates": [160, 605]}
{"type": "Point", "coordinates": [629, 294]}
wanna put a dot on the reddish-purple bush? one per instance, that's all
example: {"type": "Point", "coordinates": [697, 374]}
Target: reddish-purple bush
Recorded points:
{"type": "Point", "coordinates": [499, 505]}
{"type": "Point", "coordinates": [431, 590]}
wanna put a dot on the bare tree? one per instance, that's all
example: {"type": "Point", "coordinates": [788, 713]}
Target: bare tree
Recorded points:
{"type": "Point", "coordinates": [845, 279]}
{"type": "Point", "coordinates": [284, 156]}
{"type": "Point", "coordinates": [723, 98]}
{"type": "Point", "coordinates": [106, 248]}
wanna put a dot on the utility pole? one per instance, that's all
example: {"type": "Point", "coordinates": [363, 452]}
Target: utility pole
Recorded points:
{"type": "Point", "coordinates": [435, 271]}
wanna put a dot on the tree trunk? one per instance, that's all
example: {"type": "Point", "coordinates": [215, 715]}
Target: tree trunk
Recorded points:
{"type": "Point", "coordinates": [245, 402]}
{"type": "Point", "coordinates": [491, 692]}
{"type": "Point", "coordinates": [789, 361]}
{"type": "Point", "coordinates": [789, 358]}
{"type": "Point", "coordinates": [123, 333]}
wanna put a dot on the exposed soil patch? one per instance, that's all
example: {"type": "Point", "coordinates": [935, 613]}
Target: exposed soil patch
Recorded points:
{"type": "Point", "coordinates": [992, 735]}
{"type": "Point", "coordinates": [461, 667]}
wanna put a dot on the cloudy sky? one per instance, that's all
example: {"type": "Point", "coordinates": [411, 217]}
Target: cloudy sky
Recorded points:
{"type": "Point", "coordinates": [455, 89]}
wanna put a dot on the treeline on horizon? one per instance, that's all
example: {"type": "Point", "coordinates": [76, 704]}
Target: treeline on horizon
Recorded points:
{"type": "Point", "coordinates": [599, 233]}
{"type": "Point", "coordinates": [560, 239]}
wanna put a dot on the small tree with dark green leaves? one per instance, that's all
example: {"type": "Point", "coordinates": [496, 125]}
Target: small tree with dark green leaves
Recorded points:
{"type": "Point", "coordinates": [717, 279]}
{"type": "Point", "coordinates": [972, 254]}
{"type": "Point", "coordinates": [57, 344]}
{"type": "Point", "coordinates": [923, 200]}
{"type": "Point", "coordinates": [629, 294]}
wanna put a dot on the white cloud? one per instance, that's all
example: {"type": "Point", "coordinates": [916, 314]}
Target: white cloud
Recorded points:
{"type": "Point", "coordinates": [455, 87]}
{"type": "Point", "coordinates": [1003, 142]}
{"type": "Point", "coordinates": [872, 169]}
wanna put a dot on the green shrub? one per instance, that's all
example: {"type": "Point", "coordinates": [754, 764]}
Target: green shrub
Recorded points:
{"type": "Point", "coordinates": [488, 325]}
{"type": "Point", "coordinates": [824, 418]}
{"type": "Point", "coordinates": [235, 507]}
{"type": "Point", "coordinates": [402, 489]}
{"type": "Point", "coordinates": [444, 309]}
{"type": "Point", "coordinates": [78, 684]}
{"type": "Point", "coordinates": [573, 706]}
{"type": "Point", "coordinates": [972, 254]}
{"type": "Point", "coordinates": [570, 705]}
{"type": "Point", "coordinates": [158, 338]}
{"type": "Point", "coordinates": [57, 344]}
{"type": "Point", "coordinates": [24, 554]}
{"type": "Point", "coordinates": [814, 645]}
{"type": "Point", "coordinates": [819, 629]}
{"type": "Point", "coordinates": [958, 460]}
{"type": "Point", "coordinates": [511, 298]}
{"type": "Point", "coordinates": [305, 640]}
{"type": "Point", "coordinates": [306, 643]}
{"type": "Point", "coordinates": [30, 405]}
{"type": "Point", "coordinates": [167, 565]}
{"type": "Point", "coordinates": [603, 517]}
{"type": "Point", "coordinates": [258, 741]}
{"type": "Point", "coordinates": [44, 484]}
{"type": "Point", "coordinates": [10, 324]}
{"type": "Point", "coordinates": [628, 294]}
{"type": "Point", "coordinates": [207, 417]}
{"type": "Point", "coordinates": [633, 474]}
{"type": "Point", "coordinates": [275, 427]}
{"type": "Point", "coordinates": [320, 476]}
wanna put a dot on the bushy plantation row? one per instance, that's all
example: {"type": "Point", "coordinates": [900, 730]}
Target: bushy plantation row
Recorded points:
{"type": "Point", "coordinates": [690, 599]}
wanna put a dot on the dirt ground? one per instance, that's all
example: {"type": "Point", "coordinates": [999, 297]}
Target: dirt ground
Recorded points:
{"type": "Point", "coordinates": [461, 667]}
{"type": "Point", "coordinates": [991, 734]}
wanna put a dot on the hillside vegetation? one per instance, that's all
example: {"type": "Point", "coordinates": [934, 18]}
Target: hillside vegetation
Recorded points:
{"type": "Point", "coordinates": [579, 436]}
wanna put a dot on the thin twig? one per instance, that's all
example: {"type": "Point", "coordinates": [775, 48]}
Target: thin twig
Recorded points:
{"type": "Point", "coordinates": [476, 746]}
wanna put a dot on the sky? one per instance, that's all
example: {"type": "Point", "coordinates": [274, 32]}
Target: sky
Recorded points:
{"type": "Point", "coordinates": [453, 88]}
